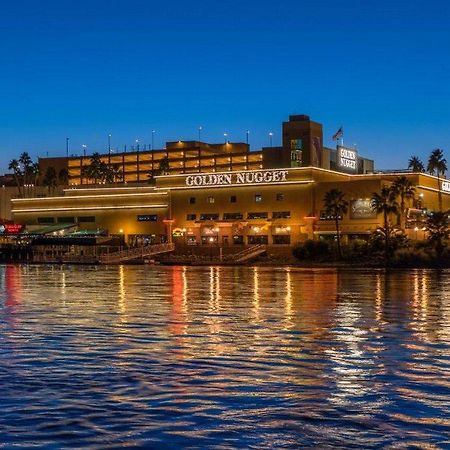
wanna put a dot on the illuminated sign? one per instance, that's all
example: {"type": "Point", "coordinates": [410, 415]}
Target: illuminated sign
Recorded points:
{"type": "Point", "coordinates": [347, 158]}
{"type": "Point", "coordinates": [224, 179]}
{"type": "Point", "coordinates": [10, 228]}
{"type": "Point", "coordinates": [446, 186]}
{"type": "Point", "coordinates": [362, 209]}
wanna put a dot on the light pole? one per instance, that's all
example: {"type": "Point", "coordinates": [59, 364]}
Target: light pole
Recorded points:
{"type": "Point", "coordinates": [109, 144]}
{"type": "Point", "coordinates": [270, 139]}
{"type": "Point", "coordinates": [84, 149]}
{"type": "Point", "coordinates": [137, 144]}
{"type": "Point", "coordinates": [200, 133]}
{"type": "Point", "coordinates": [67, 147]}
{"type": "Point", "coordinates": [246, 136]}
{"type": "Point", "coordinates": [225, 135]}
{"type": "Point", "coordinates": [153, 139]}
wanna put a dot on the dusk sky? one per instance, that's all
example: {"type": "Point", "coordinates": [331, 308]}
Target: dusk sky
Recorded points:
{"type": "Point", "coordinates": [84, 69]}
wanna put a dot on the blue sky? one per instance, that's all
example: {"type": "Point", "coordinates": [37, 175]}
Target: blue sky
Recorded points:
{"type": "Point", "coordinates": [84, 69]}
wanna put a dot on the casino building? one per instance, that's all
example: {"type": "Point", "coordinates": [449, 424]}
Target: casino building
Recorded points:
{"type": "Point", "coordinates": [227, 195]}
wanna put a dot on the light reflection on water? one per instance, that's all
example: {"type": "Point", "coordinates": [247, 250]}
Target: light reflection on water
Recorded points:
{"type": "Point", "coordinates": [222, 357]}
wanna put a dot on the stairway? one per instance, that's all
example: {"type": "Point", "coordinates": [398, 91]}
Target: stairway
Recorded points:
{"type": "Point", "coordinates": [135, 253]}
{"type": "Point", "coordinates": [247, 254]}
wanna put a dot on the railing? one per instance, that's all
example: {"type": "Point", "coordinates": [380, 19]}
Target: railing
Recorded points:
{"type": "Point", "coordinates": [136, 253]}
{"type": "Point", "coordinates": [248, 253]}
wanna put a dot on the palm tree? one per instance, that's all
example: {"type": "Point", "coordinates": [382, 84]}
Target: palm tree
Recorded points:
{"type": "Point", "coordinates": [437, 164]}
{"type": "Point", "coordinates": [50, 179]}
{"type": "Point", "coordinates": [17, 173]}
{"type": "Point", "coordinates": [384, 202]}
{"type": "Point", "coordinates": [63, 176]}
{"type": "Point", "coordinates": [416, 164]}
{"type": "Point", "coordinates": [164, 165]}
{"type": "Point", "coordinates": [27, 165]}
{"type": "Point", "coordinates": [336, 206]}
{"type": "Point", "coordinates": [438, 230]}
{"type": "Point", "coordinates": [404, 189]}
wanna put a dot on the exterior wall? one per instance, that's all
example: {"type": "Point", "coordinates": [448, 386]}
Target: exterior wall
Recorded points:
{"type": "Point", "coordinates": [297, 193]}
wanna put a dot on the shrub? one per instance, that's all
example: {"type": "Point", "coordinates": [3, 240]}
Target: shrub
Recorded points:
{"type": "Point", "coordinates": [311, 250]}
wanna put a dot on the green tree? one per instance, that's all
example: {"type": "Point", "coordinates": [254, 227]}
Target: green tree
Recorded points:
{"type": "Point", "coordinates": [164, 165]}
{"type": "Point", "coordinates": [404, 189]}
{"type": "Point", "coordinates": [27, 171]}
{"type": "Point", "coordinates": [438, 231]}
{"type": "Point", "coordinates": [95, 171]}
{"type": "Point", "coordinates": [385, 203]}
{"type": "Point", "coordinates": [63, 176]}
{"type": "Point", "coordinates": [336, 206]}
{"type": "Point", "coordinates": [50, 179]}
{"type": "Point", "coordinates": [437, 165]}
{"type": "Point", "coordinates": [14, 165]}
{"type": "Point", "coordinates": [416, 165]}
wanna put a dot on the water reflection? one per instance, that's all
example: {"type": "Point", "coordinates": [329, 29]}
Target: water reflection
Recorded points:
{"type": "Point", "coordinates": [215, 356]}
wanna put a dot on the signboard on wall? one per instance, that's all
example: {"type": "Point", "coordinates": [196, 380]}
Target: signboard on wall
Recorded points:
{"type": "Point", "coordinates": [347, 158]}
{"type": "Point", "coordinates": [362, 209]}
{"type": "Point", "coordinates": [237, 178]}
{"type": "Point", "coordinates": [445, 186]}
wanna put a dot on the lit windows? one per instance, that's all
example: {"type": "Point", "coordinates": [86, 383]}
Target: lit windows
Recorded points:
{"type": "Point", "coordinates": [209, 199]}
{"type": "Point", "coordinates": [258, 198]}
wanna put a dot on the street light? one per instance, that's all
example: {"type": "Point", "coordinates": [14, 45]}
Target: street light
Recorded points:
{"type": "Point", "coordinates": [67, 147]}
{"type": "Point", "coordinates": [153, 139]}
{"type": "Point", "coordinates": [225, 135]}
{"type": "Point", "coordinates": [270, 139]}
{"type": "Point", "coordinates": [246, 136]}
{"type": "Point", "coordinates": [200, 133]}
{"type": "Point", "coordinates": [109, 143]}
{"type": "Point", "coordinates": [137, 144]}
{"type": "Point", "coordinates": [84, 149]}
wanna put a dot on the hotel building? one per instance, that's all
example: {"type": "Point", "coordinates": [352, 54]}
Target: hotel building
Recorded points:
{"type": "Point", "coordinates": [227, 195]}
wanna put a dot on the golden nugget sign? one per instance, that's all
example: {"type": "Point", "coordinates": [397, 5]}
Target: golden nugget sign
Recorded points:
{"type": "Point", "coordinates": [224, 179]}
{"type": "Point", "coordinates": [446, 186]}
{"type": "Point", "coordinates": [347, 158]}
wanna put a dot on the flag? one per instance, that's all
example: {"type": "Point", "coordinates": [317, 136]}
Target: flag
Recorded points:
{"type": "Point", "coordinates": [339, 133]}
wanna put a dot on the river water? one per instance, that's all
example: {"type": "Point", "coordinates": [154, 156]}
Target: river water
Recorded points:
{"type": "Point", "coordinates": [223, 357]}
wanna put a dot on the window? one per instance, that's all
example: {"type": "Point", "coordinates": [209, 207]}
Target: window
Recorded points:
{"type": "Point", "coordinates": [147, 218]}
{"type": "Point", "coordinates": [86, 219]}
{"type": "Point", "coordinates": [238, 240]}
{"type": "Point", "coordinates": [280, 197]}
{"type": "Point", "coordinates": [209, 199]}
{"type": "Point", "coordinates": [281, 215]}
{"type": "Point", "coordinates": [65, 219]}
{"type": "Point", "coordinates": [258, 239]}
{"type": "Point", "coordinates": [192, 200]}
{"type": "Point", "coordinates": [282, 239]}
{"type": "Point", "coordinates": [325, 216]}
{"type": "Point", "coordinates": [257, 215]}
{"type": "Point", "coordinates": [191, 216]}
{"type": "Point", "coordinates": [209, 216]}
{"type": "Point", "coordinates": [232, 216]}
{"type": "Point", "coordinates": [45, 220]}
{"type": "Point", "coordinates": [233, 199]}
{"type": "Point", "coordinates": [258, 198]}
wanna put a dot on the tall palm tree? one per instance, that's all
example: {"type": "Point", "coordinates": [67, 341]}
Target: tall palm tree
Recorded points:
{"type": "Point", "coordinates": [385, 203]}
{"type": "Point", "coordinates": [27, 170]}
{"type": "Point", "coordinates": [416, 164]}
{"type": "Point", "coordinates": [164, 165]}
{"type": "Point", "coordinates": [50, 179]}
{"type": "Point", "coordinates": [336, 206]}
{"type": "Point", "coordinates": [404, 189]}
{"type": "Point", "coordinates": [438, 230]}
{"type": "Point", "coordinates": [437, 164]}
{"type": "Point", "coordinates": [17, 173]}
{"type": "Point", "coordinates": [63, 176]}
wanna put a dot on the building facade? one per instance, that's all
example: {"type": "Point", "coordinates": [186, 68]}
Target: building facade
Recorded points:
{"type": "Point", "coordinates": [267, 206]}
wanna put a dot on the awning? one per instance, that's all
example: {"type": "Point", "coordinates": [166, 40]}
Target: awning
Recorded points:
{"type": "Point", "coordinates": [39, 230]}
